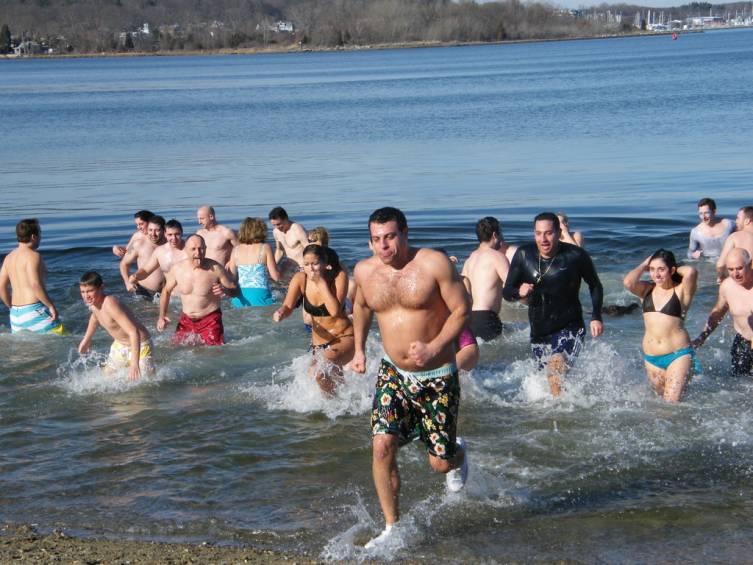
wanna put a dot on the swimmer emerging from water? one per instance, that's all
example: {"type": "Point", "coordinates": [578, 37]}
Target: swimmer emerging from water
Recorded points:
{"type": "Point", "coordinates": [132, 345]}
{"type": "Point", "coordinates": [141, 219]}
{"type": "Point", "coordinates": [667, 352]}
{"type": "Point", "coordinates": [166, 255]}
{"type": "Point", "coordinates": [741, 239]}
{"type": "Point", "coordinates": [708, 237]}
{"type": "Point", "coordinates": [290, 239]}
{"type": "Point", "coordinates": [322, 287]}
{"type": "Point", "coordinates": [141, 253]}
{"type": "Point", "coordinates": [219, 239]}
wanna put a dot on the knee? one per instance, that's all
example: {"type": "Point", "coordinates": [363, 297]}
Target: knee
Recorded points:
{"type": "Point", "coordinates": [440, 465]}
{"type": "Point", "coordinates": [384, 448]}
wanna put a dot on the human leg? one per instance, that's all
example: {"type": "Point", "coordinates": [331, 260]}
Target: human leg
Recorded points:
{"type": "Point", "coordinates": [676, 376]}
{"type": "Point", "coordinates": [386, 475]}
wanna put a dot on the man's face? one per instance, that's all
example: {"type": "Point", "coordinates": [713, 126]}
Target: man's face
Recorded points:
{"type": "Point", "coordinates": [141, 225]}
{"type": "Point", "coordinates": [195, 249]}
{"type": "Point", "coordinates": [740, 220]}
{"type": "Point", "coordinates": [706, 214]}
{"type": "Point", "coordinates": [546, 237]}
{"type": "Point", "coordinates": [204, 217]}
{"type": "Point", "coordinates": [281, 225]}
{"type": "Point", "coordinates": [387, 241]}
{"type": "Point", "coordinates": [737, 269]}
{"type": "Point", "coordinates": [174, 237]}
{"type": "Point", "coordinates": [89, 293]}
{"type": "Point", "coordinates": [154, 232]}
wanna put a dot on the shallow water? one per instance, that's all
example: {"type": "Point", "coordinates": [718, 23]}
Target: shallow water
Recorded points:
{"type": "Point", "coordinates": [236, 444]}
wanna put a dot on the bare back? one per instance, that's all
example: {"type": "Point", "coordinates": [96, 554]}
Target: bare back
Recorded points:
{"type": "Point", "coordinates": [26, 271]}
{"type": "Point", "coordinates": [486, 269]}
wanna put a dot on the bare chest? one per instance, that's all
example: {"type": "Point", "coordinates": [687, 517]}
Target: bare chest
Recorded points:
{"type": "Point", "coordinates": [197, 282]}
{"type": "Point", "coordinates": [410, 289]}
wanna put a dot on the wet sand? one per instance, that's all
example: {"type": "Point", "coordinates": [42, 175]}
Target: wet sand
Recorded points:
{"type": "Point", "coordinates": [24, 544]}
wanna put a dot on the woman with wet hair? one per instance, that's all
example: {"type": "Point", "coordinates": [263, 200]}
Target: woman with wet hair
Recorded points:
{"type": "Point", "coordinates": [667, 352]}
{"type": "Point", "coordinates": [322, 288]}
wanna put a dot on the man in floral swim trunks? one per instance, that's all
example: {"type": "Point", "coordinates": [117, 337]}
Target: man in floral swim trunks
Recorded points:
{"type": "Point", "coordinates": [421, 308]}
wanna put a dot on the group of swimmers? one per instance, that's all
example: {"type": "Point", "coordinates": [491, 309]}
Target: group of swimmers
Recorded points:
{"type": "Point", "coordinates": [428, 314]}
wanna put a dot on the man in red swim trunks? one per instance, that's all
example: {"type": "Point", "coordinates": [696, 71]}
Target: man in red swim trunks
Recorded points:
{"type": "Point", "coordinates": [202, 283]}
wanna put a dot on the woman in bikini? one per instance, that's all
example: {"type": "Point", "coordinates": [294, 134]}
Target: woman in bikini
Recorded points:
{"type": "Point", "coordinates": [667, 352]}
{"type": "Point", "coordinates": [322, 287]}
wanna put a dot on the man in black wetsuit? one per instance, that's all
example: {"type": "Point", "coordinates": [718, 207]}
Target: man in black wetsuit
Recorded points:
{"type": "Point", "coordinates": [548, 273]}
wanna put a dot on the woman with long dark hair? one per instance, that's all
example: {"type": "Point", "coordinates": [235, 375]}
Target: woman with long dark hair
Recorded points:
{"type": "Point", "coordinates": [667, 352]}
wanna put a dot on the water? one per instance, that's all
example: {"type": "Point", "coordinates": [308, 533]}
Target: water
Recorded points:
{"type": "Point", "coordinates": [235, 444]}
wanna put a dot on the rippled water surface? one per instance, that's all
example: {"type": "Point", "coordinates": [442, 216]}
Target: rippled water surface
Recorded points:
{"type": "Point", "coordinates": [235, 444]}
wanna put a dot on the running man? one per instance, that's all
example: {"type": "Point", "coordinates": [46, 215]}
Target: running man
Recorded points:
{"type": "Point", "coordinates": [141, 219]}
{"type": "Point", "coordinates": [484, 273]}
{"type": "Point", "coordinates": [547, 273]}
{"type": "Point", "coordinates": [202, 283]}
{"type": "Point", "coordinates": [741, 239]}
{"type": "Point", "coordinates": [22, 284]}
{"type": "Point", "coordinates": [290, 239]}
{"type": "Point", "coordinates": [128, 333]}
{"type": "Point", "coordinates": [141, 252]}
{"type": "Point", "coordinates": [166, 255]}
{"type": "Point", "coordinates": [735, 297]}
{"type": "Point", "coordinates": [421, 308]}
{"type": "Point", "coordinates": [219, 239]}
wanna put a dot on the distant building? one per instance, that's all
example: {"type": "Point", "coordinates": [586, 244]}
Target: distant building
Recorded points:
{"type": "Point", "coordinates": [28, 48]}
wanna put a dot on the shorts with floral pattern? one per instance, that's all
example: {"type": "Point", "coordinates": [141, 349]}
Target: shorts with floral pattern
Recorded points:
{"type": "Point", "coordinates": [409, 406]}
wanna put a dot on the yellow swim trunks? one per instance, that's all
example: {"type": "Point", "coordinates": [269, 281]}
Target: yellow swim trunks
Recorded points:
{"type": "Point", "coordinates": [120, 356]}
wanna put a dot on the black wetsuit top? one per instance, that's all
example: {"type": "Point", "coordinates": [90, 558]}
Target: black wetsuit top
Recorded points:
{"type": "Point", "coordinates": [553, 303]}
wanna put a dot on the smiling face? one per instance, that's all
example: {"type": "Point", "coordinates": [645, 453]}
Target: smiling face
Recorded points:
{"type": "Point", "coordinates": [141, 225]}
{"type": "Point", "coordinates": [312, 265]}
{"type": "Point", "coordinates": [281, 225]}
{"type": "Point", "coordinates": [174, 237]}
{"type": "Point", "coordinates": [388, 242]}
{"type": "Point", "coordinates": [546, 237]}
{"type": "Point", "coordinates": [195, 249]}
{"type": "Point", "coordinates": [706, 214]}
{"type": "Point", "coordinates": [154, 232]}
{"type": "Point", "coordinates": [660, 273]}
{"type": "Point", "coordinates": [90, 294]}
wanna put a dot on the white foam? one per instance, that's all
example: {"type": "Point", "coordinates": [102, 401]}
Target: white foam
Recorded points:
{"type": "Point", "coordinates": [85, 375]}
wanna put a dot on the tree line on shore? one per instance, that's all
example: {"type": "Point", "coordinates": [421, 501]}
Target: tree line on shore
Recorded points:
{"type": "Point", "coordinates": [90, 26]}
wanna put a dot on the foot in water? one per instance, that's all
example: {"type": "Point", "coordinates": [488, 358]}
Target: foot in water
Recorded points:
{"type": "Point", "coordinates": [456, 478]}
{"type": "Point", "coordinates": [381, 539]}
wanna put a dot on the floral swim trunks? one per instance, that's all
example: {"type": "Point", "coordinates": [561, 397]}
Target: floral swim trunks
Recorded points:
{"type": "Point", "coordinates": [418, 404]}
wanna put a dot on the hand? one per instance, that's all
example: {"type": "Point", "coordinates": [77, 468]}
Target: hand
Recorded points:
{"type": "Point", "coordinates": [525, 289]}
{"type": "Point", "coordinates": [118, 251]}
{"type": "Point", "coordinates": [83, 347]}
{"type": "Point", "coordinates": [132, 279]}
{"type": "Point", "coordinates": [218, 289]}
{"type": "Point", "coordinates": [130, 287]}
{"type": "Point", "coordinates": [597, 328]}
{"type": "Point", "coordinates": [280, 314]}
{"type": "Point", "coordinates": [53, 313]}
{"type": "Point", "coordinates": [421, 353]}
{"type": "Point", "coordinates": [162, 322]}
{"type": "Point", "coordinates": [358, 363]}
{"type": "Point", "coordinates": [696, 254]}
{"type": "Point", "coordinates": [134, 373]}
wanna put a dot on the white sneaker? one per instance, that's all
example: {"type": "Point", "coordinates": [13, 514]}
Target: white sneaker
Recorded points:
{"type": "Point", "coordinates": [455, 479]}
{"type": "Point", "coordinates": [381, 539]}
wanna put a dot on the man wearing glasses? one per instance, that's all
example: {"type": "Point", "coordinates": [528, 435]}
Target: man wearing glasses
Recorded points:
{"type": "Point", "coordinates": [547, 274]}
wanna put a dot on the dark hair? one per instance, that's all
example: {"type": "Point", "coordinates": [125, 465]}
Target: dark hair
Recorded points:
{"type": "Point", "coordinates": [27, 228]}
{"type": "Point", "coordinates": [707, 202]}
{"type": "Point", "coordinates": [157, 220]}
{"type": "Point", "coordinates": [389, 214]}
{"type": "Point", "coordinates": [669, 260]}
{"type": "Point", "coordinates": [486, 228]}
{"type": "Point", "coordinates": [747, 212]}
{"type": "Point", "coordinates": [91, 278]}
{"type": "Point", "coordinates": [278, 213]}
{"type": "Point", "coordinates": [326, 255]}
{"type": "Point", "coordinates": [174, 224]}
{"type": "Point", "coordinates": [143, 215]}
{"type": "Point", "coordinates": [548, 217]}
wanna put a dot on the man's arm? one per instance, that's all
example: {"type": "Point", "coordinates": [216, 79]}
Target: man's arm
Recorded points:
{"type": "Point", "coordinates": [694, 245]}
{"type": "Point", "coordinates": [131, 255]}
{"type": "Point", "coordinates": [5, 292]}
{"type": "Point", "coordinates": [503, 267]}
{"type": "Point", "coordinates": [34, 270]}
{"type": "Point", "coordinates": [226, 285]}
{"type": "Point", "coordinates": [362, 318]}
{"type": "Point", "coordinates": [716, 315]}
{"type": "Point", "coordinates": [232, 237]}
{"type": "Point", "coordinates": [164, 299]}
{"type": "Point", "coordinates": [453, 294]}
{"type": "Point", "coordinates": [301, 238]}
{"type": "Point", "coordinates": [86, 342]}
{"type": "Point", "coordinates": [279, 250]}
{"type": "Point", "coordinates": [721, 263]}
{"type": "Point", "coordinates": [597, 294]}
{"type": "Point", "coordinates": [146, 270]}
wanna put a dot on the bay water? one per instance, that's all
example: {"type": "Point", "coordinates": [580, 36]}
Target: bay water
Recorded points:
{"type": "Point", "coordinates": [235, 444]}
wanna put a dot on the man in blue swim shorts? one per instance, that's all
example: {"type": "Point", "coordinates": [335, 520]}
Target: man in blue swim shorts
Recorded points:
{"type": "Point", "coordinates": [421, 308]}
{"type": "Point", "coordinates": [548, 273]}
{"type": "Point", "coordinates": [22, 284]}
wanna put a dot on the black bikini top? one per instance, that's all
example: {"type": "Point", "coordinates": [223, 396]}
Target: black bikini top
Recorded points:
{"type": "Point", "coordinates": [673, 307]}
{"type": "Point", "coordinates": [316, 311]}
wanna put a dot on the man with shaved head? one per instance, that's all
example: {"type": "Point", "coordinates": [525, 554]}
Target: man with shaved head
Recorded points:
{"type": "Point", "coordinates": [202, 282]}
{"type": "Point", "coordinates": [735, 296]}
{"type": "Point", "coordinates": [741, 239]}
{"type": "Point", "coordinates": [220, 240]}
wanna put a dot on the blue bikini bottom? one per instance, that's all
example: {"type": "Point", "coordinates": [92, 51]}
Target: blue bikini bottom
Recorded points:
{"type": "Point", "coordinates": [664, 361]}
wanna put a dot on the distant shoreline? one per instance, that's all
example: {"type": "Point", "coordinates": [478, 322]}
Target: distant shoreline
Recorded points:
{"type": "Point", "coordinates": [346, 48]}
